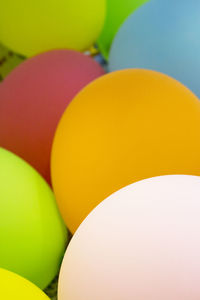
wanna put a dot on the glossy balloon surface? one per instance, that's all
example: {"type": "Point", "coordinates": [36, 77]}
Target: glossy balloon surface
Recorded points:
{"type": "Point", "coordinates": [32, 234]}
{"type": "Point", "coordinates": [14, 287]}
{"type": "Point", "coordinates": [33, 98]}
{"type": "Point", "coordinates": [123, 127]}
{"type": "Point", "coordinates": [30, 27]}
{"type": "Point", "coordinates": [116, 13]}
{"type": "Point", "coordinates": [162, 35]}
{"type": "Point", "coordinates": [143, 242]}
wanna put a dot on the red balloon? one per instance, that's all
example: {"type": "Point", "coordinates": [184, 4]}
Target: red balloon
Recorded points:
{"type": "Point", "coordinates": [33, 98]}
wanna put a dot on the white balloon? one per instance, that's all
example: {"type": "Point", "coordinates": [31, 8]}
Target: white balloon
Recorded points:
{"type": "Point", "coordinates": [141, 243]}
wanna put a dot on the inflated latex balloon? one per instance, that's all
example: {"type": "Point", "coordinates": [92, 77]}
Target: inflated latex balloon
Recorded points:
{"type": "Point", "coordinates": [33, 98]}
{"type": "Point", "coordinates": [15, 287]}
{"type": "Point", "coordinates": [143, 242]}
{"type": "Point", "coordinates": [123, 127]}
{"type": "Point", "coordinates": [37, 26]}
{"type": "Point", "coordinates": [32, 234]}
{"type": "Point", "coordinates": [117, 12]}
{"type": "Point", "coordinates": [161, 35]}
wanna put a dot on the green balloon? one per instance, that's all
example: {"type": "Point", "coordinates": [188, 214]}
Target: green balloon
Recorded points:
{"type": "Point", "coordinates": [32, 234]}
{"type": "Point", "coordinates": [117, 12]}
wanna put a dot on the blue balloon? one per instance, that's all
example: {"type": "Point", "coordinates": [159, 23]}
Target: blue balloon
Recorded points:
{"type": "Point", "coordinates": [162, 35]}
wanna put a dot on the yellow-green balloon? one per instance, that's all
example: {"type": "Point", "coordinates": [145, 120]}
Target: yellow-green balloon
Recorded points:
{"type": "Point", "coordinates": [32, 234]}
{"type": "Point", "coordinates": [29, 27]}
{"type": "Point", "coordinates": [117, 12]}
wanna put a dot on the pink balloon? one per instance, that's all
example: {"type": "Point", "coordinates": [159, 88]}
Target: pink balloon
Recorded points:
{"type": "Point", "coordinates": [33, 98]}
{"type": "Point", "coordinates": [141, 243]}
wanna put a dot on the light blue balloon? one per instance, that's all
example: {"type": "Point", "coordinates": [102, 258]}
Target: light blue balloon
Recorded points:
{"type": "Point", "coordinates": [162, 35]}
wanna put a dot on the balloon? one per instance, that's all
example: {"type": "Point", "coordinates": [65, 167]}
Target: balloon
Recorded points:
{"type": "Point", "coordinates": [117, 12]}
{"type": "Point", "coordinates": [32, 235]}
{"type": "Point", "coordinates": [161, 35]}
{"type": "Point", "coordinates": [142, 243]}
{"type": "Point", "coordinates": [34, 26]}
{"type": "Point", "coordinates": [123, 127]}
{"type": "Point", "coordinates": [33, 98]}
{"type": "Point", "coordinates": [14, 287]}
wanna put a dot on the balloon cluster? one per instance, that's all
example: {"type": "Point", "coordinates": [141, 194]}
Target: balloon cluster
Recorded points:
{"type": "Point", "coordinates": [113, 157]}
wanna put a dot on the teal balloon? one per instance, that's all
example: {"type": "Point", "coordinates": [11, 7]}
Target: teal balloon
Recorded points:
{"type": "Point", "coordinates": [162, 35]}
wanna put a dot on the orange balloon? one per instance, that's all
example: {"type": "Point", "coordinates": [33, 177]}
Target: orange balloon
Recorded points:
{"type": "Point", "coordinates": [124, 127]}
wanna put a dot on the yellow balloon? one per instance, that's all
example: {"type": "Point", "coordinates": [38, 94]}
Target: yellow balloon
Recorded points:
{"type": "Point", "coordinates": [33, 26]}
{"type": "Point", "coordinates": [123, 127]}
{"type": "Point", "coordinates": [15, 287]}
